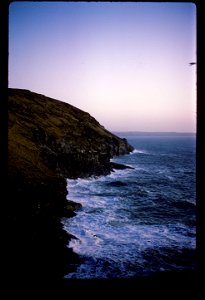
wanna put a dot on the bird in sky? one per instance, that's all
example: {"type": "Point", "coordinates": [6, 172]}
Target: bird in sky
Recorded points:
{"type": "Point", "coordinates": [192, 63]}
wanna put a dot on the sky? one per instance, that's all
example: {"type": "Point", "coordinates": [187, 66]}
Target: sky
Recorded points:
{"type": "Point", "coordinates": [125, 63]}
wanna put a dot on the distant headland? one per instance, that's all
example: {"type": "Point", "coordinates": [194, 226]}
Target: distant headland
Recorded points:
{"type": "Point", "coordinates": [152, 133]}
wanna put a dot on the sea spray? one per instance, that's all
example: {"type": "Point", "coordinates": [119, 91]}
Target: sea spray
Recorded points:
{"type": "Point", "coordinates": [137, 221]}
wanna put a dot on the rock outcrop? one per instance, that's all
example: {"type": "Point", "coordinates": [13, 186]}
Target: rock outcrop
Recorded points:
{"type": "Point", "coordinates": [49, 141]}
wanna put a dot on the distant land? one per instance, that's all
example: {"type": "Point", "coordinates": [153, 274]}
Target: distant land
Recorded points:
{"type": "Point", "coordinates": [152, 133]}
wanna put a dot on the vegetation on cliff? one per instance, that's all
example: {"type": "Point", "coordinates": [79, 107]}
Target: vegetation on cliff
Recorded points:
{"type": "Point", "coordinates": [49, 141]}
{"type": "Point", "coordinates": [51, 137]}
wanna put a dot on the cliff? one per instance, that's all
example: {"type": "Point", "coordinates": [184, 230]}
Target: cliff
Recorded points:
{"type": "Point", "coordinates": [57, 139]}
{"type": "Point", "coordinates": [49, 141]}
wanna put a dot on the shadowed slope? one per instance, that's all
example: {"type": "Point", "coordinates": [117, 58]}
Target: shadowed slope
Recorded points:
{"type": "Point", "coordinates": [48, 141]}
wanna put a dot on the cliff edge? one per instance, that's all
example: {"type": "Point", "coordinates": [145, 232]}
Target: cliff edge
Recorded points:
{"type": "Point", "coordinates": [49, 141]}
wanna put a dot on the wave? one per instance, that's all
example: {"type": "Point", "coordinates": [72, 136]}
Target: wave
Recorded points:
{"type": "Point", "coordinates": [135, 220]}
{"type": "Point", "coordinates": [141, 237]}
{"type": "Point", "coordinates": [139, 151]}
{"type": "Point", "coordinates": [86, 181]}
{"type": "Point", "coordinates": [126, 249]}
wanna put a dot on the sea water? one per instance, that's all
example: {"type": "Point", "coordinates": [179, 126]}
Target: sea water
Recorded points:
{"type": "Point", "coordinates": [138, 221]}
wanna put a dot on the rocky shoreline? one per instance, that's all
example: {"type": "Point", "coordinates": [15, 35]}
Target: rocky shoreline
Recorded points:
{"type": "Point", "coordinates": [49, 141]}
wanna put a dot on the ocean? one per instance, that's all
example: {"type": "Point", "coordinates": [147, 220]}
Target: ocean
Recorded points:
{"type": "Point", "coordinates": [139, 221]}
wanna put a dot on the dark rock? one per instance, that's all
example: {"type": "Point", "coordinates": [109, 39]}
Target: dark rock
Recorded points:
{"type": "Point", "coordinates": [70, 208]}
{"type": "Point", "coordinates": [48, 141]}
{"type": "Point", "coordinates": [119, 166]}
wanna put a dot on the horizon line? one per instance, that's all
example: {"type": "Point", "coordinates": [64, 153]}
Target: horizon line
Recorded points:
{"type": "Point", "coordinates": [152, 132]}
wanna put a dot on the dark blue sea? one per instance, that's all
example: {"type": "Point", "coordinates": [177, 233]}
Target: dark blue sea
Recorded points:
{"type": "Point", "coordinates": [135, 222]}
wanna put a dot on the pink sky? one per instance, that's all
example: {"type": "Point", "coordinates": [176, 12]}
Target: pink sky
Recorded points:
{"type": "Point", "coordinates": [127, 64]}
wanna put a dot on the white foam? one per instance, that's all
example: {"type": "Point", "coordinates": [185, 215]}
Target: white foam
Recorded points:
{"type": "Point", "coordinates": [106, 216]}
{"type": "Point", "coordinates": [105, 228]}
{"type": "Point", "coordinates": [139, 151]}
{"type": "Point", "coordinates": [122, 247]}
{"type": "Point", "coordinates": [76, 183]}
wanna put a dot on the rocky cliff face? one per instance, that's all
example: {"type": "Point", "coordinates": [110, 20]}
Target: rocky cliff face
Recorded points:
{"type": "Point", "coordinates": [49, 141]}
{"type": "Point", "coordinates": [55, 138]}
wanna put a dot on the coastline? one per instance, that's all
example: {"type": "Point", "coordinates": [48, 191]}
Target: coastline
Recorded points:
{"type": "Point", "coordinates": [48, 141]}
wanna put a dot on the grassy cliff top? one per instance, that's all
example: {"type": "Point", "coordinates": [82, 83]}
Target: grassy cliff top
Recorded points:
{"type": "Point", "coordinates": [47, 135]}
{"type": "Point", "coordinates": [48, 141]}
